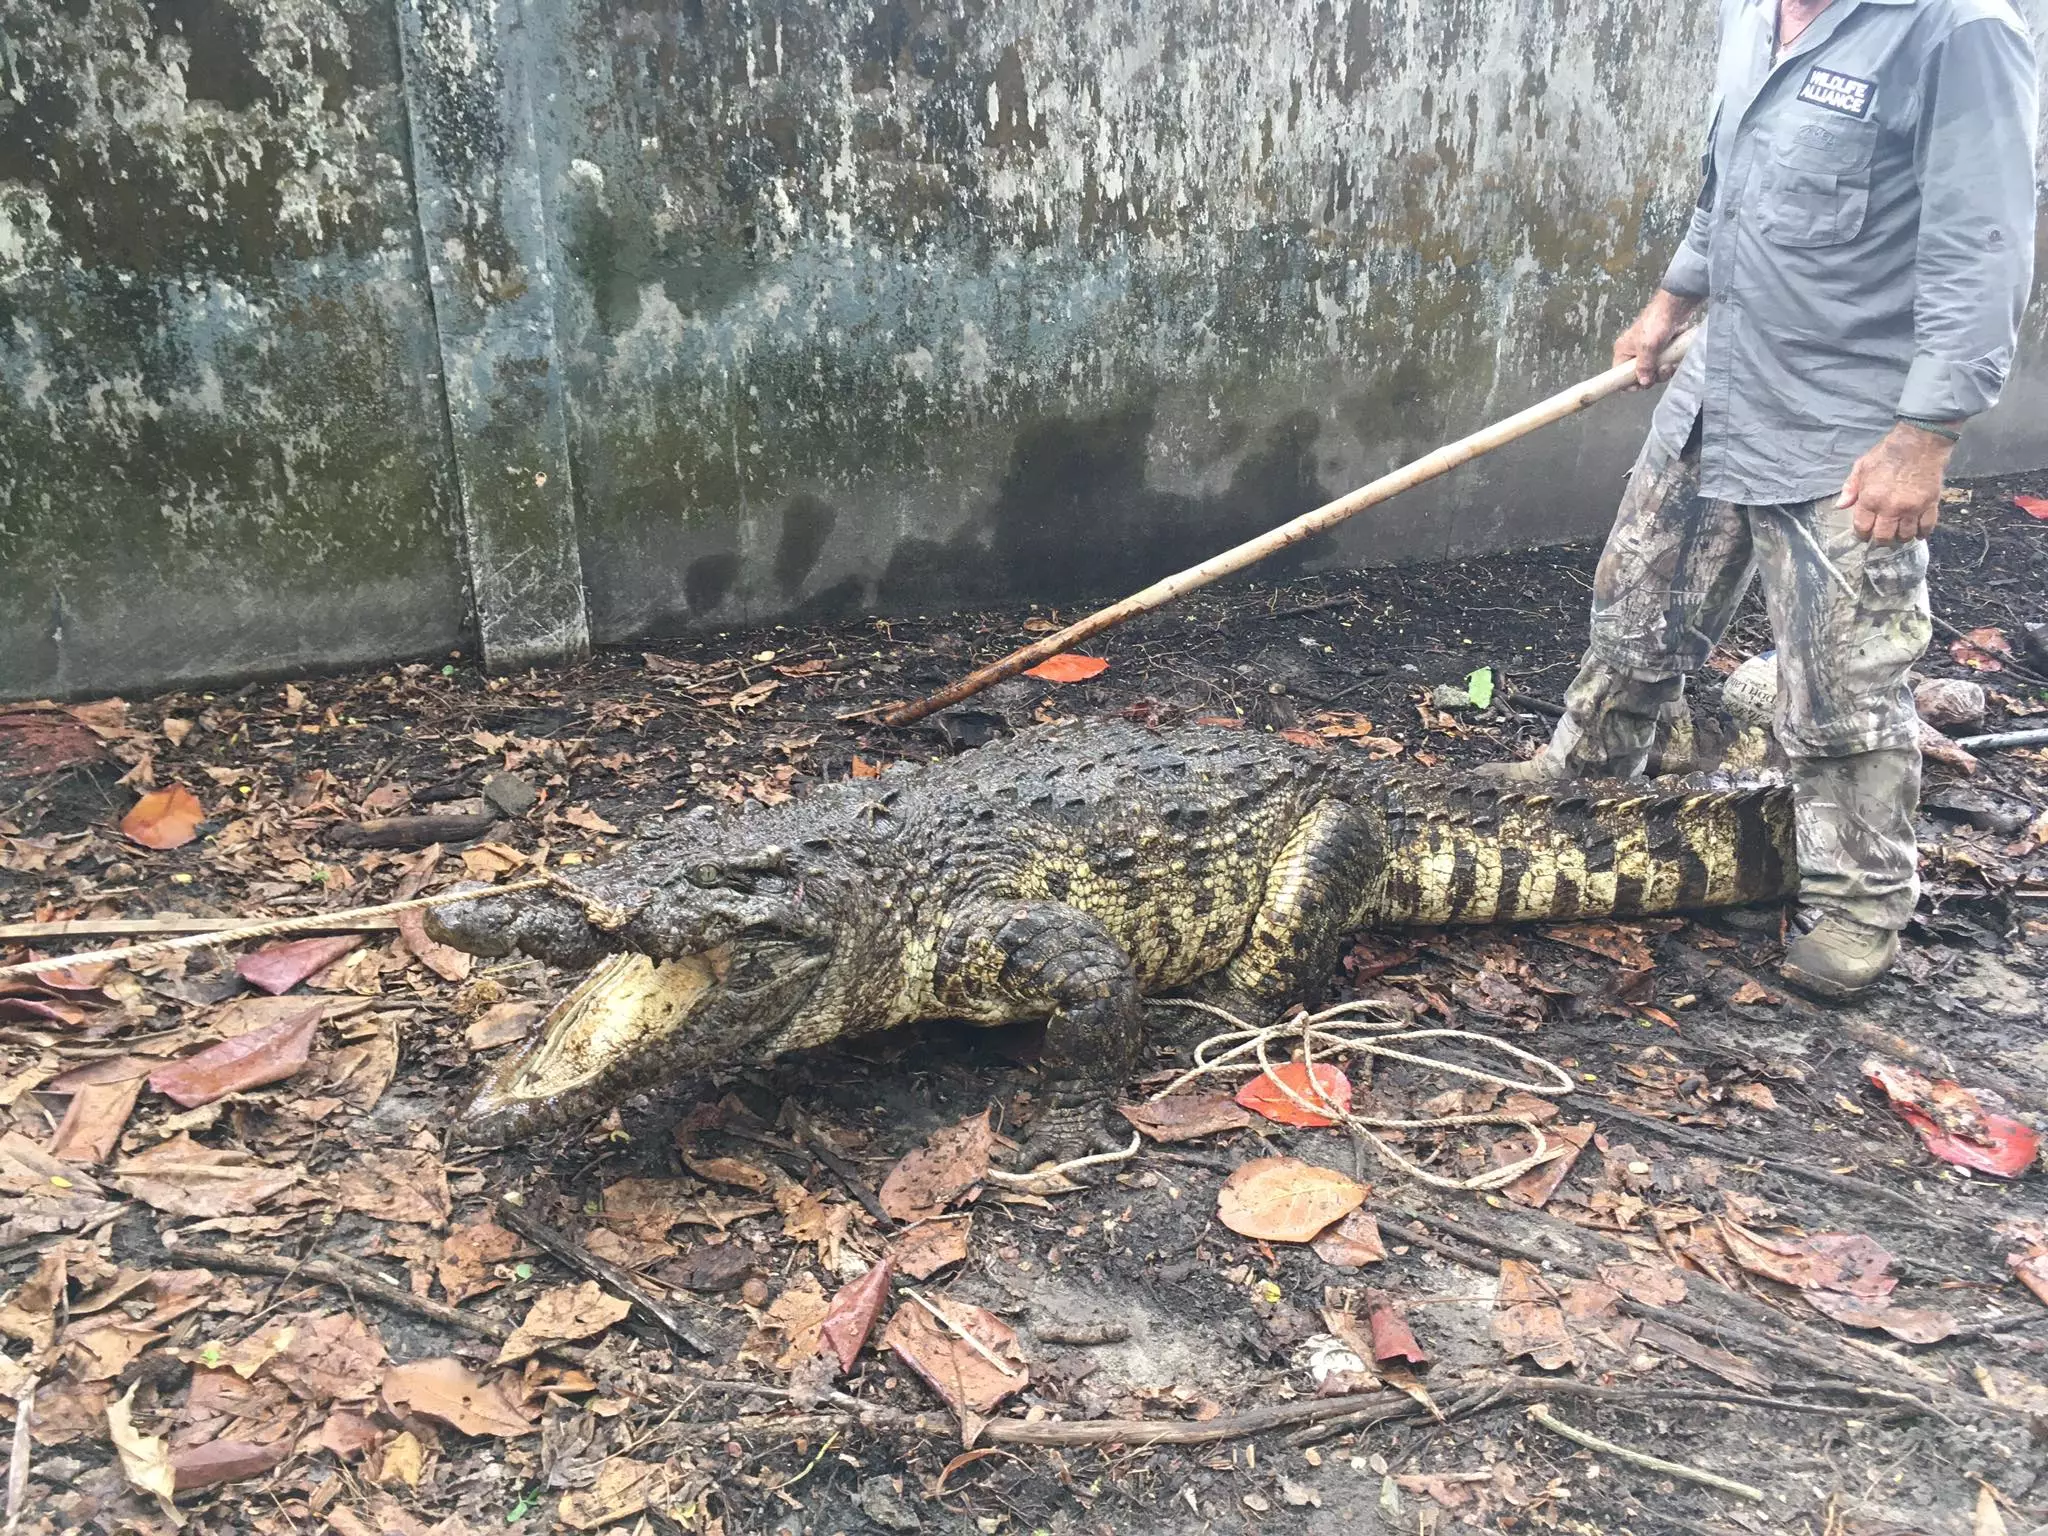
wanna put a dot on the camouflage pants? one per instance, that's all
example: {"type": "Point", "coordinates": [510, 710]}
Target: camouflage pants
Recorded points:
{"type": "Point", "coordinates": [1674, 571]}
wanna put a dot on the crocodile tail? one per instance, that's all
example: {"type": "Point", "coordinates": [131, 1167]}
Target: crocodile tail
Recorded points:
{"type": "Point", "coordinates": [1467, 852]}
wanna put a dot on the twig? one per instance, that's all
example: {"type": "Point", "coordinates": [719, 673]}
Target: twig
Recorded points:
{"type": "Point", "coordinates": [17, 1460]}
{"type": "Point", "coordinates": [820, 1147]}
{"type": "Point", "coordinates": [965, 1337]}
{"type": "Point", "coordinates": [1531, 702]}
{"type": "Point", "coordinates": [2036, 737]}
{"type": "Point", "coordinates": [2004, 659]}
{"type": "Point", "coordinates": [352, 1281]}
{"type": "Point", "coordinates": [1059, 1170]}
{"type": "Point", "coordinates": [1369, 1407]}
{"type": "Point", "coordinates": [608, 1274]}
{"type": "Point", "coordinates": [1556, 1426]}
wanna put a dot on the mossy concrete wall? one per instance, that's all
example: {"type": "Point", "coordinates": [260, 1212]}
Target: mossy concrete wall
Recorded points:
{"type": "Point", "coordinates": [334, 330]}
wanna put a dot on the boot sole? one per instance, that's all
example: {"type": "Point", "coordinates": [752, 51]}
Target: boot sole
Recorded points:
{"type": "Point", "coordinates": [1826, 988]}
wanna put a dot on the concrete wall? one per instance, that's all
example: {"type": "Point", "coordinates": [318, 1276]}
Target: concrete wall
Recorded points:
{"type": "Point", "coordinates": [319, 318]}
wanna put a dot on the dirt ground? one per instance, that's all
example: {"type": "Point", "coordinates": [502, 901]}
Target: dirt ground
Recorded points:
{"type": "Point", "coordinates": [1671, 1289]}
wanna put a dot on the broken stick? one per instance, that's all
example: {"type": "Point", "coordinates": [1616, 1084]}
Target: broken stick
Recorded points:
{"type": "Point", "coordinates": [1565, 403]}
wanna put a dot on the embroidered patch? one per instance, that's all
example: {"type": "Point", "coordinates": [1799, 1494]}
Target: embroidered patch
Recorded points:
{"type": "Point", "coordinates": [1837, 92]}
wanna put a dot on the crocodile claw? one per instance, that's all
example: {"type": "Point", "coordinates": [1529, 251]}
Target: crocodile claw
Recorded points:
{"type": "Point", "coordinates": [1067, 1131]}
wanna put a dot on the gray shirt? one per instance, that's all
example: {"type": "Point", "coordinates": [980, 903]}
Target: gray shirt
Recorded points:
{"type": "Point", "coordinates": [1864, 237]}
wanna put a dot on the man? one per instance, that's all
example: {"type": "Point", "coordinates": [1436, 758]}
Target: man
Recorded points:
{"type": "Point", "coordinates": [1863, 244]}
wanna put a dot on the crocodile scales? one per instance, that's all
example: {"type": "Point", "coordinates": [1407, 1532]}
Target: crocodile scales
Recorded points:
{"type": "Point", "coordinates": [1063, 875]}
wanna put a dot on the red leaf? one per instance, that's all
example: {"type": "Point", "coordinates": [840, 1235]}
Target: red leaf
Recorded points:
{"type": "Point", "coordinates": [164, 818]}
{"type": "Point", "coordinates": [277, 968]}
{"type": "Point", "coordinates": [1980, 650]}
{"type": "Point", "coordinates": [1392, 1339]}
{"type": "Point", "coordinates": [1953, 1124]}
{"type": "Point", "coordinates": [2033, 506]}
{"type": "Point", "coordinates": [1069, 668]}
{"type": "Point", "coordinates": [853, 1312]}
{"type": "Point", "coordinates": [1263, 1096]}
{"type": "Point", "coordinates": [268, 1055]}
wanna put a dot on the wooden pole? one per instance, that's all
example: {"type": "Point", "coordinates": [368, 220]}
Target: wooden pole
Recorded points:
{"type": "Point", "coordinates": [1565, 403]}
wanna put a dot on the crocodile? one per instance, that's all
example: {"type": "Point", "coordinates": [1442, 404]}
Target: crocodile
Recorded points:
{"type": "Point", "coordinates": [1062, 875]}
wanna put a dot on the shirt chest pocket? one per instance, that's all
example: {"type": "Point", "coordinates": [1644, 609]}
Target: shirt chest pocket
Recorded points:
{"type": "Point", "coordinates": [1816, 185]}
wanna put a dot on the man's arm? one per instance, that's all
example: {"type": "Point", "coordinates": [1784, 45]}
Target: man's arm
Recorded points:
{"type": "Point", "coordinates": [1973, 267]}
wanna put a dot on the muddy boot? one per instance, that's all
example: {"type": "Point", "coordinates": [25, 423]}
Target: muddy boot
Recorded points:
{"type": "Point", "coordinates": [1610, 722]}
{"type": "Point", "coordinates": [1839, 958]}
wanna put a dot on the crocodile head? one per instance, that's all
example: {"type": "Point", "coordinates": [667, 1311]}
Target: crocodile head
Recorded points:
{"type": "Point", "coordinates": [720, 948]}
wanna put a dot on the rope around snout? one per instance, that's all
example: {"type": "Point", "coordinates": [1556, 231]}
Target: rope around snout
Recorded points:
{"type": "Point", "coordinates": [599, 916]}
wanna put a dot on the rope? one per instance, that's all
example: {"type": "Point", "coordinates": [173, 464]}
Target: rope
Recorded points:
{"type": "Point", "coordinates": [599, 915]}
{"type": "Point", "coordinates": [1225, 1053]}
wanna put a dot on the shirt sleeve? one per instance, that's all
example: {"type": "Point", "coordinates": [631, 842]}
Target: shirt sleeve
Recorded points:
{"type": "Point", "coordinates": [1687, 274]}
{"type": "Point", "coordinates": [1975, 258]}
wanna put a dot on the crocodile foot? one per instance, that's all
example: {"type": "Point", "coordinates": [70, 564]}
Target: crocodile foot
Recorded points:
{"type": "Point", "coordinates": [1069, 1128]}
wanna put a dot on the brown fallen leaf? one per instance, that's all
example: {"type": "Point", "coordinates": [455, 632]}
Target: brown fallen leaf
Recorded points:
{"type": "Point", "coordinates": [1352, 1243]}
{"type": "Point", "coordinates": [395, 1184]}
{"type": "Point", "coordinates": [223, 1461]}
{"type": "Point", "coordinates": [952, 1161]}
{"type": "Point", "coordinates": [728, 1170]}
{"type": "Point", "coordinates": [262, 1056]}
{"type": "Point", "coordinates": [277, 968]}
{"type": "Point", "coordinates": [164, 818]}
{"type": "Point", "coordinates": [1535, 1187]}
{"type": "Point", "coordinates": [30, 1314]}
{"type": "Point", "coordinates": [1528, 1318]}
{"type": "Point", "coordinates": [1731, 1368]}
{"type": "Point", "coordinates": [502, 1024]}
{"type": "Point", "coordinates": [623, 1488]}
{"type": "Point", "coordinates": [852, 1314]}
{"type": "Point", "coordinates": [1610, 941]}
{"type": "Point", "coordinates": [183, 1178]}
{"type": "Point", "coordinates": [1915, 1325]}
{"type": "Point", "coordinates": [1184, 1116]}
{"type": "Point", "coordinates": [145, 1459]}
{"type": "Point", "coordinates": [971, 1381]}
{"type": "Point", "coordinates": [445, 1390]}
{"type": "Point", "coordinates": [1831, 1261]}
{"type": "Point", "coordinates": [796, 1316]}
{"type": "Point", "coordinates": [103, 1095]}
{"type": "Point", "coordinates": [923, 1250]}
{"type": "Point", "coordinates": [561, 1314]}
{"type": "Point", "coordinates": [468, 1254]}
{"type": "Point", "coordinates": [444, 960]}
{"type": "Point", "coordinates": [1285, 1200]}
{"type": "Point", "coordinates": [401, 1461]}
{"type": "Point", "coordinates": [1656, 1285]}
{"type": "Point", "coordinates": [2030, 1268]}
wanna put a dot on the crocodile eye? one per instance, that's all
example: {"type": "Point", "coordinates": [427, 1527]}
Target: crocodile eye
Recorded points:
{"type": "Point", "coordinates": [706, 875]}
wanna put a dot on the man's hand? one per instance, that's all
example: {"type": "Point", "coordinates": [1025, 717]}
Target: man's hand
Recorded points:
{"type": "Point", "coordinates": [1895, 489]}
{"type": "Point", "coordinates": [1644, 342]}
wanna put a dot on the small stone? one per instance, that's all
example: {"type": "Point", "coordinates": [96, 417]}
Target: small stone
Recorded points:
{"type": "Point", "coordinates": [1444, 696]}
{"type": "Point", "coordinates": [755, 1292]}
{"type": "Point", "coordinates": [1950, 703]}
{"type": "Point", "coordinates": [881, 1503]}
{"type": "Point", "coordinates": [510, 794]}
{"type": "Point", "coordinates": [724, 1267]}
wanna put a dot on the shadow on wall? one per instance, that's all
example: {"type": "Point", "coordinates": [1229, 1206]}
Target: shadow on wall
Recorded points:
{"type": "Point", "coordinates": [1074, 519]}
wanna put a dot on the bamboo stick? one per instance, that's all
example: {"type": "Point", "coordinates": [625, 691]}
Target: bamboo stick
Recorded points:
{"type": "Point", "coordinates": [1568, 402]}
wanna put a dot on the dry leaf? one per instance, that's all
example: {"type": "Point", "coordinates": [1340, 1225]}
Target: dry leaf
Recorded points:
{"type": "Point", "coordinates": [1068, 668]}
{"type": "Point", "coordinates": [1392, 1339]}
{"type": "Point", "coordinates": [1981, 650]}
{"type": "Point", "coordinates": [468, 1254]}
{"type": "Point", "coordinates": [183, 1178]}
{"type": "Point", "coordinates": [164, 818]}
{"type": "Point", "coordinates": [970, 1382]}
{"type": "Point", "coordinates": [623, 1488]}
{"type": "Point", "coordinates": [224, 1461]}
{"type": "Point", "coordinates": [1915, 1325]}
{"type": "Point", "coordinates": [561, 1314]}
{"type": "Point", "coordinates": [1527, 1319]}
{"type": "Point", "coordinates": [502, 1024]}
{"type": "Point", "coordinates": [277, 968]}
{"type": "Point", "coordinates": [402, 1461]}
{"type": "Point", "coordinates": [589, 821]}
{"type": "Point", "coordinates": [923, 1250]}
{"type": "Point", "coordinates": [145, 1459]}
{"type": "Point", "coordinates": [1352, 1243]}
{"type": "Point", "coordinates": [853, 1312]}
{"type": "Point", "coordinates": [395, 1184]}
{"type": "Point", "coordinates": [1184, 1116]}
{"type": "Point", "coordinates": [1608, 940]}
{"type": "Point", "coordinates": [1267, 1094]}
{"type": "Point", "coordinates": [102, 1097]}
{"type": "Point", "coordinates": [1833, 1261]}
{"type": "Point", "coordinates": [952, 1161]}
{"type": "Point", "coordinates": [728, 1170]}
{"type": "Point", "coordinates": [1284, 1200]}
{"type": "Point", "coordinates": [445, 1390]}
{"type": "Point", "coordinates": [1535, 1187]}
{"type": "Point", "coordinates": [1952, 1122]}
{"type": "Point", "coordinates": [261, 1056]}
{"type": "Point", "coordinates": [1656, 1285]}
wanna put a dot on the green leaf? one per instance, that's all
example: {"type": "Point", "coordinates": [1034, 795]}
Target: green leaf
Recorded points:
{"type": "Point", "coordinates": [523, 1271]}
{"type": "Point", "coordinates": [1480, 686]}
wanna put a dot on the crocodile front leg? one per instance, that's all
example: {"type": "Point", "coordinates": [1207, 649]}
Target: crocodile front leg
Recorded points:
{"type": "Point", "coordinates": [1011, 960]}
{"type": "Point", "coordinates": [1314, 893]}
